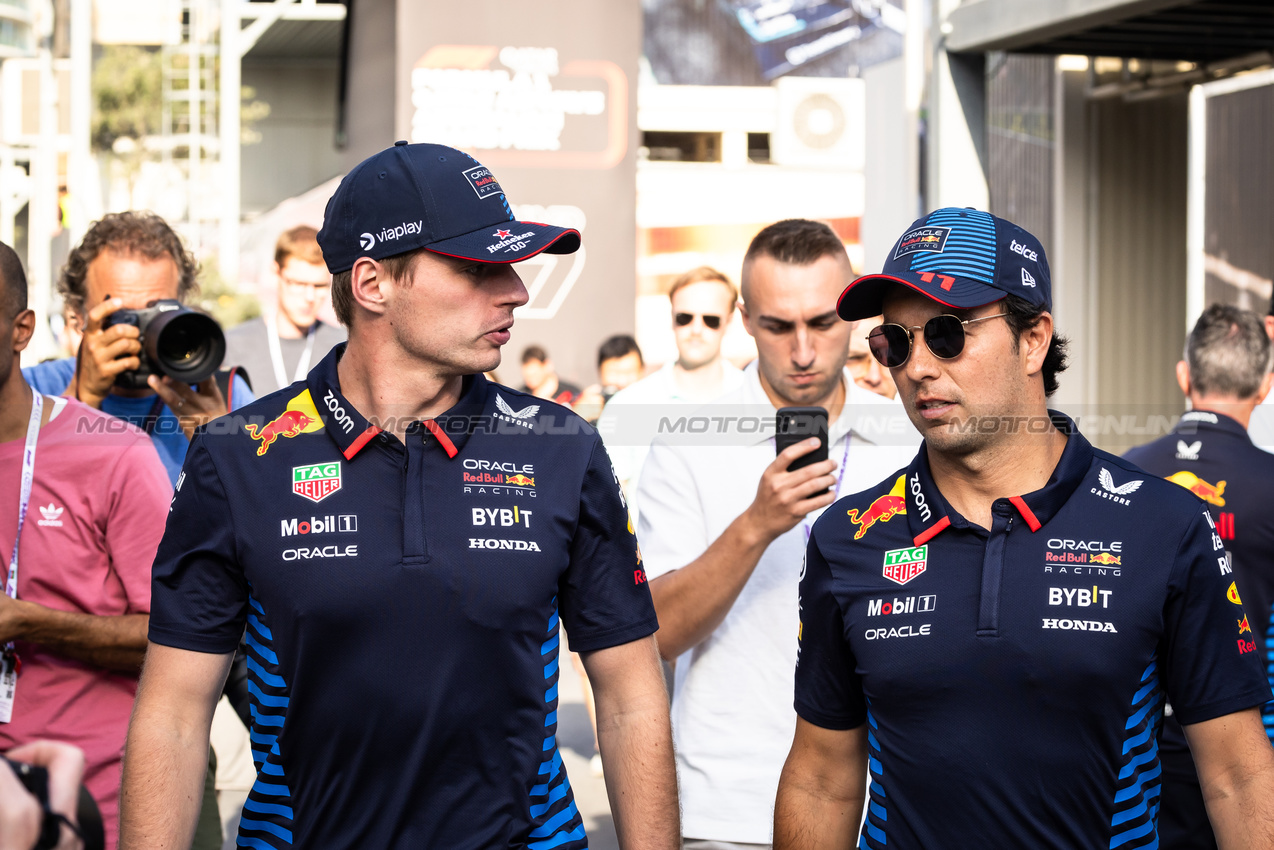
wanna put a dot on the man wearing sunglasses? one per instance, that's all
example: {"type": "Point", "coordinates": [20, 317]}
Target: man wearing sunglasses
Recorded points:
{"type": "Point", "coordinates": [724, 521]}
{"type": "Point", "coordinates": [1012, 609]}
{"type": "Point", "coordinates": [702, 302]}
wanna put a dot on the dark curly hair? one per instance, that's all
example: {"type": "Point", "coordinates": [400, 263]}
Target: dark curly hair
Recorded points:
{"type": "Point", "coordinates": [1021, 316]}
{"type": "Point", "coordinates": [132, 232]}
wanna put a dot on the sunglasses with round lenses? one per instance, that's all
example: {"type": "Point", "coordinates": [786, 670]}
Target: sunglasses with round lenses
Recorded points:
{"type": "Point", "coordinates": [891, 344]}
{"type": "Point", "coordinates": [712, 322]}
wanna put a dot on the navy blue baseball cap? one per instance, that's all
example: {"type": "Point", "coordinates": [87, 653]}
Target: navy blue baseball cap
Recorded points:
{"type": "Point", "coordinates": [958, 257]}
{"type": "Point", "coordinates": [433, 197]}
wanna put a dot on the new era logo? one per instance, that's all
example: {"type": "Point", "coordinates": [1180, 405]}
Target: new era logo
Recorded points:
{"type": "Point", "coordinates": [1027, 279]}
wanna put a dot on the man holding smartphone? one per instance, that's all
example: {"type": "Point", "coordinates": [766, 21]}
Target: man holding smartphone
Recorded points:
{"type": "Point", "coordinates": [723, 525]}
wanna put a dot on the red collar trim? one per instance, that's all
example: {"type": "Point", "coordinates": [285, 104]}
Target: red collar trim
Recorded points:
{"type": "Point", "coordinates": [360, 441]}
{"type": "Point", "coordinates": [443, 440]}
{"type": "Point", "coordinates": [1026, 512]}
{"type": "Point", "coordinates": [932, 531]}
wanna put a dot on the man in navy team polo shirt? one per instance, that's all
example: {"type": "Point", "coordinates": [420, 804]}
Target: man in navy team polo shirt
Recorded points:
{"type": "Point", "coordinates": [991, 632]}
{"type": "Point", "coordinates": [1225, 375]}
{"type": "Point", "coordinates": [400, 537]}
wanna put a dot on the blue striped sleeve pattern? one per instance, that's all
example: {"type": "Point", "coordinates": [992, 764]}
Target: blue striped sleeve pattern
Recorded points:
{"type": "Point", "coordinates": [556, 822]}
{"type": "Point", "coordinates": [1137, 788]}
{"type": "Point", "coordinates": [1267, 710]}
{"type": "Point", "coordinates": [266, 823]}
{"type": "Point", "coordinates": [873, 836]}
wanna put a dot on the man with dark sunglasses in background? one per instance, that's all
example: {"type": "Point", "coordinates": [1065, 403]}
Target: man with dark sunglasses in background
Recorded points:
{"type": "Point", "coordinates": [702, 303]}
{"type": "Point", "coordinates": [1013, 607]}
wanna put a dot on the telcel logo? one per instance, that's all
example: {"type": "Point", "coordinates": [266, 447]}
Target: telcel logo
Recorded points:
{"type": "Point", "coordinates": [319, 525]}
{"type": "Point", "coordinates": [1022, 250]}
{"type": "Point", "coordinates": [906, 605]}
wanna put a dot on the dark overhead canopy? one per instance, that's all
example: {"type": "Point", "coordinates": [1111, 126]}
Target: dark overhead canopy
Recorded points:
{"type": "Point", "coordinates": [1203, 31]}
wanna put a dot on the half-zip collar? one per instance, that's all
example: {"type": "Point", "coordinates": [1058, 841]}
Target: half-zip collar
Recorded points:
{"type": "Point", "coordinates": [928, 513]}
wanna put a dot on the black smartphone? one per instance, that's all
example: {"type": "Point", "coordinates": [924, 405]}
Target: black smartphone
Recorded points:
{"type": "Point", "coordinates": [794, 424]}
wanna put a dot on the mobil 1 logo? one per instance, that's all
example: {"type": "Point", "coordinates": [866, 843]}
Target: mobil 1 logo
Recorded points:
{"type": "Point", "coordinates": [319, 524]}
{"type": "Point", "coordinates": [905, 605]}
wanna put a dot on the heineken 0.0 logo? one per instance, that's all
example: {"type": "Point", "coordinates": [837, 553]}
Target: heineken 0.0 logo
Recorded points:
{"type": "Point", "coordinates": [902, 565]}
{"type": "Point", "coordinates": [317, 481]}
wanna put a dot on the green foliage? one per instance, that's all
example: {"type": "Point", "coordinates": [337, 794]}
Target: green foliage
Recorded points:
{"type": "Point", "coordinates": [225, 304]}
{"type": "Point", "coordinates": [127, 95]}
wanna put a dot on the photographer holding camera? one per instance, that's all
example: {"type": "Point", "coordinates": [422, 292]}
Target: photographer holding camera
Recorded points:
{"type": "Point", "coordinates": [127, 263]}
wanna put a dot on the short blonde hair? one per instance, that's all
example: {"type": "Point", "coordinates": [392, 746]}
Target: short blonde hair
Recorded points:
{"type": "Point", "coordinates": [700, 275]}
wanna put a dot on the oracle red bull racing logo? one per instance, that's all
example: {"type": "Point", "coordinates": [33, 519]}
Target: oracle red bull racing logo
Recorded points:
{"type": "Point", "coordinates": [881, 510]}
{"type": "Point", "coordinates": [300, 417]}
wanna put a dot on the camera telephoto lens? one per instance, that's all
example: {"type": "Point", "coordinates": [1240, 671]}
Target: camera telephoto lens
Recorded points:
{"type": "Point", "coordinates": [185, 345]}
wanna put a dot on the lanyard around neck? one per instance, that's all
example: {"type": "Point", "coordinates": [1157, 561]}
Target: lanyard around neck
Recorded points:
{"type": "Point", "coordinates": [276, 353]}
{"type": "Point", "coordinates": [840, 476]}
{"type": "Point", "coordinates": [24, 492]}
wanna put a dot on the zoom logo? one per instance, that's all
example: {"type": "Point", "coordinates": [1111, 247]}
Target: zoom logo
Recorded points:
{"type": "Point", "coordinates": [366, 241]}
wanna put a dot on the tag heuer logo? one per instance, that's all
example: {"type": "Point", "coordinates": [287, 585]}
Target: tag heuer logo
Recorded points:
{"type": "Point", "coordinates": [317, 481]}
{"type": "Point", "coordinates": [902, 565]}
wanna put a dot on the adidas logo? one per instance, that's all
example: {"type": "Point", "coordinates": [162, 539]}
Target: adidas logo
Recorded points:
{"type": "Point", "coordinates": [52, 515]}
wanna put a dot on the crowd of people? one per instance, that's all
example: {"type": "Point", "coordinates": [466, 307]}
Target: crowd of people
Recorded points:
{"type": "Point", "coordinates": [319, 598]}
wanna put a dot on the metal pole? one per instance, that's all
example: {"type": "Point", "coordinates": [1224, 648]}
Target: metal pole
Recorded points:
{"type": "Point", "coordinates": [194, 181]}
{"type": "Point", "coordinates": [228, 101]}
{"type": "Point", "coordinates": [43, 206]}
{"type": "Point", "coordinates": [80, 164]}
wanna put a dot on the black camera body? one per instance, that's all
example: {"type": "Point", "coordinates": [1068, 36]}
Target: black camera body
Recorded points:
{"type": "Point", "coordinates": [184, 344]}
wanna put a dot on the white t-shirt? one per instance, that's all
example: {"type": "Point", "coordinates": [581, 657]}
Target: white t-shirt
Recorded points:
{"type": "Point", "coordinates": [732, 713]}
{"type": "Point", "coordinates": [1261, 426]}
{"type": "Point", "coordinates": [631, 418]}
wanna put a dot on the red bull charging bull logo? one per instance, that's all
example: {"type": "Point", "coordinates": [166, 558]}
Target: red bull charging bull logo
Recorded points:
{"type": "Point", "coordinates": [881, 510]}
{"type": "Point", "coordinates": [300, 417]}
{"type": "Point", "coordinates": [1105, 558]}
{"type": "Point", "coordinates": [519, 480]}
{"type": "Point", "coordinates": [1196, 485]}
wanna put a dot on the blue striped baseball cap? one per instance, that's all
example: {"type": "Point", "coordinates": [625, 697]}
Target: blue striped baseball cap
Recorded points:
{"type": "Point", "coordinates": [434, 197]}
{"type": "Point", "coordinates": [958, 257]}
